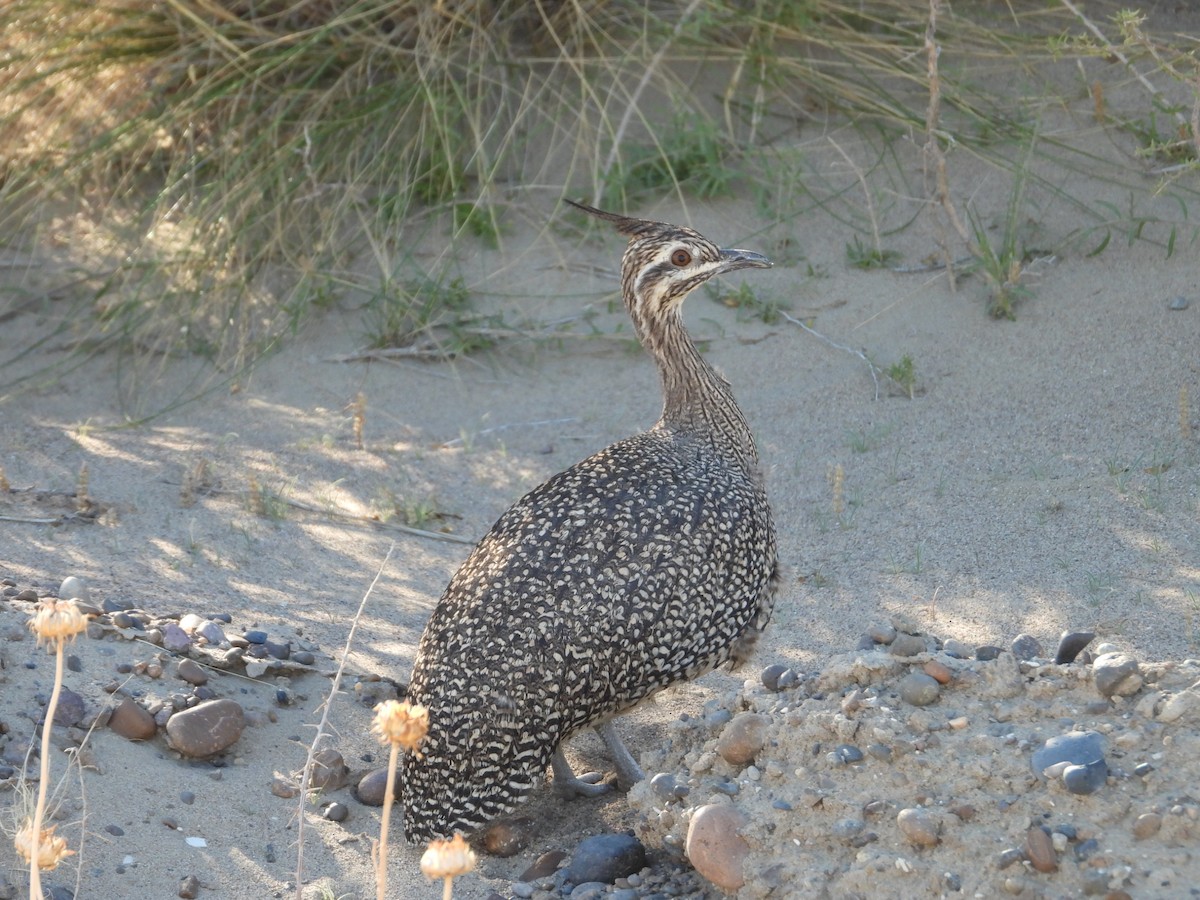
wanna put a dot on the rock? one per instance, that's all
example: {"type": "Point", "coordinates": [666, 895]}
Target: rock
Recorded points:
{"type": "Point", "coordinates": [505, 838]}
{"type": "Point", "coordinates": [190, 622]}
{"type": "Point", "coordinates": [1076, 748]}
{"type": "Point", "coordinates": [372, 788]}
{"type": "Point", "coordinates": [919, 827]}
{"type": "Point", "coordinates": [987, 652]}
{"type": "Point", "coordinates": [544, 866]}
{"type": "Point", "coordinates": [191, 672]}
{"type": "Point", "coordinates": [848, 754]}
{"type": "Point", "coordinates": [1026, 647]}
{"type": "Point", "coordinates": [70, 710]}
{"type": "Point", "coordinates": [1178, 303]}
{"type": "Point", "coordinates": [329, 771]}
{"type": "Point", "coordinates": [1147, 825]}
{"type": "Point", "coordinates": [882, 634]}
{"type": "Point", "coordinates": [957, 649]}
{"type": "Point", "coordinates": [211, 632]}
{"type": "Point", "coordinates": [742, 738]}
{"type": "Point", "coordinates": [907, 644]}
{"type": "Point", "coordinates": [335, 812]}
{"type": "Point", "coordinates": [175, 638]}
{"type": "Point", "coordinates": [132, 722]}
{"type": "Point", "coordinates": [255, 636]}
{"type": "Point", "coordinates": [918, 689]}
{"type": "Point", "coordinates": [778, 677]}
{"type": "Point", "coordinates": [938, 671]}
{"type": "Point", "coordinates": [1116, 674]}
{"type": "Point", "coordinates": [1071, 644]}
{"type": "Point", "coordinates": [189, 887]}
{"type": "Point", "coordinates": [1185, 703]}
{"type": "Point", "coordinates": [715, 848]}
{"type": "Point", "coordinates": [1040, 850]}
{"type": "Point", "coordinates": [74, 588]}
{"type": "Point", "coordinates": [605, 858]}
{"type": "Point", "coordinates": [284, 787]}
{"type": "Point", "coordinates": [1085, 779]}
{"type": "Point", "coordinates": [206, 728]}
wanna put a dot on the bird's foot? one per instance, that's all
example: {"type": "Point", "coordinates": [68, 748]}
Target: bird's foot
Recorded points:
{"type": "Point", "coordinates": [629, 772]}
{"type": "Point", "coordinates": [570, 785]}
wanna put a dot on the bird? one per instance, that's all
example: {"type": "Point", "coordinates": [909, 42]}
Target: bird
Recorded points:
{"type": "Point", "coordinates": [649, 563]}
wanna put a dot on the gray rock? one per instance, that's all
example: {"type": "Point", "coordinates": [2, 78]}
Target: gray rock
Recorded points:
{"type": "Point", "coordinates": [1026, 646]}
{"type": "Point", "coordinates": [1116, 674]}
{"type": "Point", "coordinates": [1085, 779]}
{"type": "Point", "coordinates": [907, 644]}
{"type": "Point", "coordinates": [1178, 303]}
{"type": "Point", "coordinates": [189, 887]}
{"type": "Point", "coordinates": [957, 649]}
{"type": "Point", "coordinates": [742, 738]}
{"type": "Point", "coordinates": [211, 632]}
{"type": "Point", "coordinates": [987, 652]}
{"type": "Point", "coordinates": [1077, 748]}
{"type": "Point", "coordinates": [882, 634]}
{"type": "Point", "coordinates": [848, 753]}
{"type": "Point", "coordinates": [1071, 644]}
{"type": "Point", "coordinates": [335, 812]}
{"type": "Point", "coordinates": [329, 770]}
{"type": "Point", "coordinates": [919, 827]}
{"type": "Point", "coordinates": [605, 858]}
{"type": "Point", "coordinates": [207, 728]}
{"type": "Point", "coordinates": [191, 672]}
{"type": "Point", "coordinates": [372, 787]}
{"type": "Point", "coordinates": [175, 638]}
{"type": "Point", "coordinates": [74, 588]}
{"type": "Point", "coordinates": [919, 689]}
{"type": "Point", "coordinates": [256, 637]}
{"type": "Point", "coordinates": [70, 710]}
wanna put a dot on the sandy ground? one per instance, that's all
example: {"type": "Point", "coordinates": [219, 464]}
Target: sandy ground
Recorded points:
{"type": "Point", "coordinates": [1040, 479]}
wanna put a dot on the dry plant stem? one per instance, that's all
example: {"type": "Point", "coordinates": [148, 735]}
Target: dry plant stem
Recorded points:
{"type": "Point", "coordinates": [324, 723]}
{"type": "Point", "coordinates": [39, 811]}
{"type": "Point", "coordinates": [871, 367]}
{"type": "Point", "coordinates": [389, 796]}
{"type": "Point", "coordinates": [448, 889]}
{"type": "Point", "coordinates": [858, 173]}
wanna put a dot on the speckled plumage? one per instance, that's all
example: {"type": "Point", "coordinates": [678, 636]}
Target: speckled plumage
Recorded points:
{"type": "Point", "coordinates": [649, 563]}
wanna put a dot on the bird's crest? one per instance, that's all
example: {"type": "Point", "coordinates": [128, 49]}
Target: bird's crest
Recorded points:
{"type": "Point", "coordinates": [633, 228]}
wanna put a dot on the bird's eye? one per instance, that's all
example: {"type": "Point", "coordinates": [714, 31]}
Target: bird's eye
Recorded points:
{"type": "Point", "coordinates": [680, 258]}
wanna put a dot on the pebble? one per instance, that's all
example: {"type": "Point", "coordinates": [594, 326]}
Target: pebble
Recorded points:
{"type": "Point", "coordinates": [191, 672]}
{"type": "Point", "coordinates": [987, 652]}
{"type": "Point", "coordinates": [907, 644]}
{"type": "Point", "coordinates": [938, 671]}
{"type": "Point", "coordinates": [667, 787]}
{"type": "Point", "coordinates": [70, 710]}
{"type": "Point", "coordinates": [335, 812]}
{"type": "Point", "coordinates": [189, 887]}
{"type": "Point", "coordinates": [1040, 850]}
{"type": "Point", "coordinates": [207, 728]}
{"type": "Point", "coordinates": [1071, 644]}
{"type": "Point", "coordinates": [714, 847]}
{"type": "Point", "coordinates": [742, 738]}
{"type": "Point", "coordinates": [329, 771]}
{"type": "Point", "coordinates": [1185, 703]}
{"type": "Point", "coordinates": [132, 722]}
{"type": "Point", "coordinates": [918, 826]}
{"type": "Point", "coordinates": [848, 753]}
{"type": "Point", "coordinates": [918, 689]}
{"type": "Point", "coordinates": [115, 830]}
{"type": "Point", "coordinates": [882, 634]}
{"type": "Point", "coordinates": [1147, 825]}
{"type": "Point", "coordinates": [255, 636]}
{"type": "Point", "coordinates": [372, 787]}
{"type": "Point", "coordinates": [1026, 647]}
{"type": "Point", "coordinates": [605, 858]}
{"type": "Point", "coordinates": [544, 866]}
{"type": "Point", "coordinates": [187, 798]}
{"type": "Point", "coordinates": [957, 649]}
{"type": "Point", "coordinates": [211, 632]}
{"type": "Point", "coordinates": [1178, 303]}
{"type": "Point", "coordinates": [505, 838]}
{"type": "Point", "coordinates": [523, 890]}
{"type": "Point", "coordinates": [1116, 674]}
{"type": "Point", "coordinates": [778, 677]}
{"type": "Point", "coordinates": [1086, 779]}
{"type": "Point", "coordinates": [304, 657]}
{"type": "Point", "coordinates": [175, 638]}
{"type": "Point", "coordinates": [1075, 747]}
{"type": "Point", "coordinates": [74, 588]}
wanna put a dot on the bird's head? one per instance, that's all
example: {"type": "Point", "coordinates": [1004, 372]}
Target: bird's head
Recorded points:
{"type": "Point", "coordinates": [664, 263]}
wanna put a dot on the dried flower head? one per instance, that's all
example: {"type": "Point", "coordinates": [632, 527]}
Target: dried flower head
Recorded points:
{"type": "Point", "coordinates": [448, 859]}
{"type": "Point", "coordinates": [401, 723]}
{"type": "Point", "coordinates": [51, 849]}
{"type": "Point", "coordinates": [57, 621]}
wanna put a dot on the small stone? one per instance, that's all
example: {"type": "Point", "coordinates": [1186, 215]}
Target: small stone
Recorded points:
{"type": "Point", "coordinates": [938, 671]}
{"type": "Point", "coordinates": [1007, 857]}
{"type": "Point", "coordinates": [175, 638]}
{"type": "Point", "coordinates": [505, 838]}
{"type": "Point", "coordinates": [132, 722]}
{"type": "Point", "coordinates": [668, 787]}
{"type": "Point", "coordinates": [605, 858]}
{"type": "Point", "coordinates": [918, 689]}
{"type": "Point", "coordinates": [187, 798]}
{"type": "Point", "coordinates": [987, 652]}
{"type": "Point", "coordinates": [197, 842]}
{"type": "Point", "coordinates": [70, 710]}
{"type": "Point", "coordinates": [778, 677]}
{"type": "Point", "coordinates": [115, 830]}
{"type": "Point", "coordinates": [522, 890]}
{"type": "Point", "coordinates": [1116, 674]}
{"type": "Point", "coordinates": [74, 588]}
{"type": "Point", "coordinates": [715, 848]}
{"type": "Point", "coordinates": [1040, 850]}
{"type": "Point", "coordinates": [882, 634]}
{"type": "Point", "coordinates": [189, 887]}
{"type": "Point", "coordinates": [1071, 644]}
{"type": "Point", "coordinates": [211, 632]}
{"type": "Point", "coordinates": [372, 788]}
{"type": "Point", "coordinates": [1075, 747]}
{"type": "Point", "coordinates": [303, 657]}
{"type": "Point", "coordinates": [1147, 825]}
{"type": "Point", "coordinates": [284, 787]}
{"type": "Point", "coordinates": [742, 738]}
{"type": "Point", "coordinates": [907, 644]}
{"type": "Point", "coordinates": [1141, 770]}
{"type": "Point", "coordinates": [26, 596]}
{"type": "Point", "coordinates": [847, 829]}
{"type": "Point", "coordinates": [335, 812]}
{"type": "Point", "coordinates": [329, 771]}
{"type": "Point", "coordinates": [1178, 303]}
{"type": "Point", "coordinates": [191, 672]}
{"type": "Point", "coordinates": [1086, 779]}
{"type": "Point", "coordinates": [919, 827]}
{"type": "Point", "coordinates": [256, 637]}
{"type": "Point", "coordinates": [1026, 647]}
{"type": "Point", "coordinates": [544, 866]}
{"type": "Point", "coordinates": [1085, 849]}
{"type": "Point", "coordinates": [957, 649]}
{"type": "Point", "coordinates": [1185, 703]}
{"type": "Point", "coordinates": [207, 728]}
{"type": "Point", "coordinates": [848, 753]}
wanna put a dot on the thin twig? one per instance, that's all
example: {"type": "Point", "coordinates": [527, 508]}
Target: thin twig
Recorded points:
{"type": "Point", "coordinates": [57, 520]}
{"type": "Point", "coordinates": [454, 442]}
{"type": "Point", "coordinates": [324, 723]}
{"type": "Point", "coordinates": [871, 367]}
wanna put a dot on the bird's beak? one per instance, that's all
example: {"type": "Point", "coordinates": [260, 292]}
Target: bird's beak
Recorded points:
{"type": "Point", "coordinates": [731, 260]}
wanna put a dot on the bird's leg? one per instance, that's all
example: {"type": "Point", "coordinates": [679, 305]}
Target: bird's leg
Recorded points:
{"type": "Point", "coordinates": [569, 785]}
{"type": "Point", "coordinates": [629, 772]}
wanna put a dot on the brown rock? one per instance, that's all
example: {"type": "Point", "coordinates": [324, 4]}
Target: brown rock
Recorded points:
{"type": "Point", "coordinates": [1040, 850]}
{"type": "Point", "coordinates": [283, 787]}
{"type": "Point", "coordinates": [544, 866]}
{"type": "Point", "coordinates": [329, 771]}
{"type": "Point", "coordinates": [919, 827]}
{"type": "Point", "coordinates": [206, 728]}
{"type": "Point", "coordinates": [742, 738]}
{"type": "Point", "coordinates": [132, 722]}
{"type": "Point", "coordinates": [939, 671]}
{"type": "Point", "coordinates": [189, 887]}
{"type": "Point", "coordinates": [372, 787]}
{"type": "Point", "coordinates": [1147, 825]}
{"type": "Point", "coordinates": [191, 672]}
{"type": "Point", "coordinates": [715, 848]}
{"type": "Point", "coordinates": [506, 838]}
